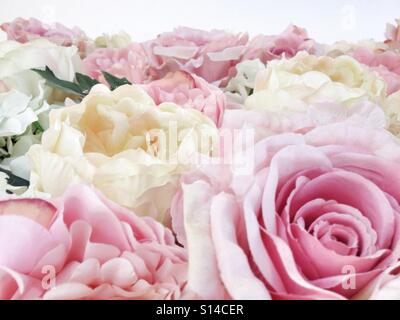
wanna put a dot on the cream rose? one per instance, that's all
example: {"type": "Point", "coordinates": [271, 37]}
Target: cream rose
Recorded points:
{"type": "Point", "coordinates": [292, 85]}
{"type": "Point", "coordinates": [125, 145]}
{"type": "Point", "coordinates": [294, 95]}
{"type": "Point", "coordinates": [117, 40]}
{"type": "Point", "coordinates": [392, 112]}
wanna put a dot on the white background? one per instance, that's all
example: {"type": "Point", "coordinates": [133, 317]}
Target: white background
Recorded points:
{"type": "Point", "coordinates": [325, 20]}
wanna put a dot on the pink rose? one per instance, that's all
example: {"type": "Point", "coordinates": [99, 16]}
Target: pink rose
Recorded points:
{"type": "Point", "coordinates": [25, 30]}
{"type": "Point", "coordinates": [129, 62]}
{"type": "Point", "coordinates": [316, 218]}
{"type": "Point", "coordinates": [85, 247]}
{"type": "Point", "coordinates": [208, 54]}
{"type": "Point", "coordinates": [189, 91]}
{"type": "Point", "coordinates": [288, 43]}
{"type": "Point", "coordinates": [386, 63]}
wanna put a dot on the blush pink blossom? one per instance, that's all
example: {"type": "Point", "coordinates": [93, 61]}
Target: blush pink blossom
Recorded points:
{"type": "Point", "coordinates": [288, 44]}
{"type": "Point", "coordinates": [211, 55]}
{"type": "Point", "coordinates": [317, 217]}
{"type": "Point", "coordinates": [129, 62]}
{"type": "Point", "coordinates": [386, 63]}
{"type": "Point", "coordinates": [264, 123]}
{"type": "Point", "coordinates": [85, 247]}
{"type": "Point", "coordinates": [25, 30]}
{"type": "Point", "coordinates": [189, 91]}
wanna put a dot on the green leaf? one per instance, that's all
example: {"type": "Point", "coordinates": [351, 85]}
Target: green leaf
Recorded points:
{"type": "Point", "coordinates": [15, 180]}
{"type": "Point", "coordinates": [37, 127]}
{"type": "Point", "coordinates": [85, 82]}
{"type": "Point", "coordinates": [114, 81]}
{"type": "Point", "coordinates": [58, 83]}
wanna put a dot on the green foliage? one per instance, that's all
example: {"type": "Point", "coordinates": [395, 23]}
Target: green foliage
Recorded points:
{"type": "Point", "coordinates": [63, 85]}
{"type": "Point", "coordinates": [113, 81]}
{"type": "Point", "coordinates": [82, 84]}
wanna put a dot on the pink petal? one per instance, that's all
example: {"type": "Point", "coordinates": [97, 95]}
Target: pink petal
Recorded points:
{"type": "Point", "coordinates": [236, 274]}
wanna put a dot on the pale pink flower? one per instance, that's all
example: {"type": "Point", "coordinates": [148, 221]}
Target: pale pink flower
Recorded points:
{"type": "Point", "coordinates": [288, 43]}
{"type": "Point", "coordinates": [189, 91]}
{"type": "Point", "coordinates": [265, 123]}
{"type": "Point", "coordinates": [386, 63]}
{"type": "Point", "coordinates": [85, 247]}
{"type": "Point", "coordinates": [129, 62]}
{"type": "Point", "coordinates": [211, 55]}
{"type": "Point", "coordinates": [316, 218]}
{"type": "Point", "coordinates": [25, 30]}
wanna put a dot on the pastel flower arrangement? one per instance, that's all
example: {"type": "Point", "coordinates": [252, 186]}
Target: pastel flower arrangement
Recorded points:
{"type": "Point", "coordinates": [198, 165]}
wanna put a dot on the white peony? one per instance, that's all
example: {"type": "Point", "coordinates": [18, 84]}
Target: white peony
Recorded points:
{"type": "Point", "coordinates": [24, 96]}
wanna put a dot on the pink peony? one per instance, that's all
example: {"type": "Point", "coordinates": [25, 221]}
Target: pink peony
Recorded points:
{"type": "Point", "coordinates": [211, 55]}
{"type": "Point", "coordinates": [288, 43]}
{"type": "Point", "coordinates": [25, 30]}
{"type": "Point", "coordinates": [189, 91]}
{"type": "Point", "coordinates": [129, 62]}
{"type": "Point", "coordinates": [85, 247]}
{"type": "Point", "coordinates": [316, 218]}
{"type": "Point", "coordinates": [386, 63]}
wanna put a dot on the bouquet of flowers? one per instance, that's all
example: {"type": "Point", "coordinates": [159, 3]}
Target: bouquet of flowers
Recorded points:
{"type": "Point", "coordinates": [198, 165]}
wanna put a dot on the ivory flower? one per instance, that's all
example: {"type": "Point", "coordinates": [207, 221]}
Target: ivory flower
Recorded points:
{"type": "Point", "coordinates": [290, 95]}
{"type": "Point", "coordinates": [118, 40]}
{"type": "Point", "coordinates": [125, 145]}
{"type": "Point", "coordinates": [292, 84]}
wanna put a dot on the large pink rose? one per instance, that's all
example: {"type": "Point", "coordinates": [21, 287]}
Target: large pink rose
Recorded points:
{"type": "Point", "coordinates": [208, 54]}
{"type": "Point", "coordinates": [316, 218]}
{"type": "Point", "coordinates": [386, 63]}
{"type": "Point", "coordinates": [25, 30]}
{"type": "Point", "coordinates": [288, 43]}
{"type": "Point", "coordinates": [129, 62]}
{"type": "Point", "coordinates": [189, 91]}
{"type": "Point", "coordinates": [85, 247]}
